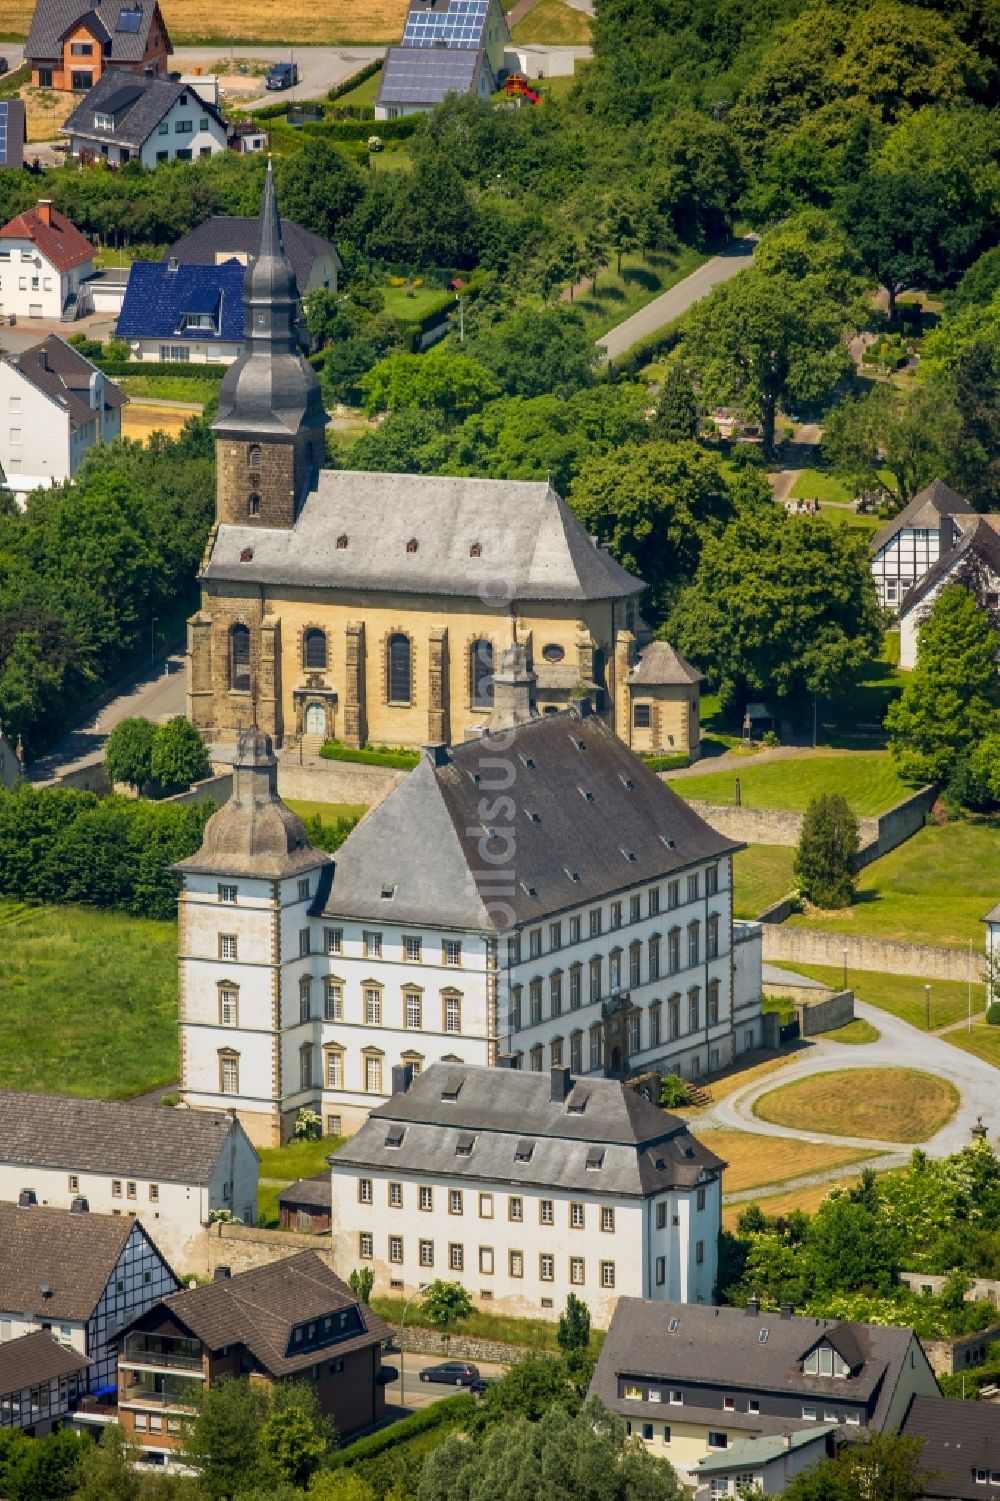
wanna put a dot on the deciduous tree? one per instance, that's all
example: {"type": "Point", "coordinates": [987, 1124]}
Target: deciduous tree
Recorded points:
{"type": "Point", "coordinates": [178, 755]}
{"type": "Point", "coordinates": [128, 755]}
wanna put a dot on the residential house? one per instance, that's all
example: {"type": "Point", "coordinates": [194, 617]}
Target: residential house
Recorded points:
{"type": "Point", "coordinates": [13, 133]}
{"type": "Point", "coordinates": [40, 1381]}
{"type": "Point", "coordinates": [448, 47]}
{"type": "Point", "coordinates": [695, 1382]}
{"type": "Point", "coordinates": [759, 1464]}
{"type": "Point", "coordinates": [170, 1169]}
{"type": "Point", "coordinates": [374, 607]}
{"type": "Point", "coordinates": [910, 544]}
{"type": "Point", "coordinates": [227, 237]}
{"type": "Point", "coordinates": [11, 766]}
{"type": "Point", "coordinates": [183, 313]}
{"type": "Point", "coordinates": [662, 706]}
{"type": "Point", "coordinates": [247, 137]}
{"type": "Point", "coordinates": [44, 264]}
{"type": "Point", "coordinates": [960, 1448]}
{"type": "Point", "coordinates": [580, 913]}
{"type": "Point", "coordinates": [306, 1205]}
{"type": "Point", "coordinates": [54, 406]}
{"type": "Point", "coordinates": [291, 1320]}
{"type": "Point", "coordinates": [973, 560]}
{"type": "Point", "coordinates": [73, 44]}
{"type": "Point", "coordinates": [81, 1276]}
{"type": "Point", "coordinates": [526, 1187]}
{"type": "Point", "coordinates": [145, 119]}
{"type": "Point", "coordinates": [992, 921]}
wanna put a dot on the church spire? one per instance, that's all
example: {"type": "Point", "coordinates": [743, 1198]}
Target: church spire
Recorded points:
{"type": "Point", "coordinates": [270, 293]}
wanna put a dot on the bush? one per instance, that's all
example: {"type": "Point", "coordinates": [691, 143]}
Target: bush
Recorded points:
{"type": "Point", "coordinates": [448, 1411]}
{"type": "Point", "coordinates": [355, 81]}
{"type": "Point", "coordinates": [825, 859]}
{"type": "Point", "coordinates": [179, 755]}
{"type": "Point", "coordinates": [399, 757]}
{"type": "Point", "coordinates": [128, 755]}
{"type": "Point", "coordinates": [993, 1014]}
{"type": "Point", "coordinates": [674, 1092]}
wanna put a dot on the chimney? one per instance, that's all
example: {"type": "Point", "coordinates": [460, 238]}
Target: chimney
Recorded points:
{"type": "Point", "coordinates": [80, 1205]}
{"type": "Point", "coordinates": [753, 1307]}
{"type": "Point", "coordinates": [45, 211]}
{"type": "Point", "coordinates": [437, 755]}
{"type": "Point", "coordinates": [96, 388]}
{"type": "Point", "coordinates": [26, 1198]}
{"type": "Point", "coordinates": [506, 1060]}
{"type": "Point", "coordinates": [172, 263]}
{"type": "Point", "coordinates": [513, 690]}
{"type": "Point", "coordinates": [402, 1077]}
{"type": "Point", "coordinates": [560, 1083]}
{"type": "Point", "coordinates": [786, 1310]}
{"type": "Point", "coordinates": [222, 1274]}
{"type": "Point", "coordinates": [582, 706]}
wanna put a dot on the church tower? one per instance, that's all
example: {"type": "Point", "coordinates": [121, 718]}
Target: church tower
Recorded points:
{"type": "Point", "coordinates": [269, 428]}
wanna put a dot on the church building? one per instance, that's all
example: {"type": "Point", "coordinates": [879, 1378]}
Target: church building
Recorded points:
{"type": "Point", "coordinates": [372, 607]}
{"type": "Point", "coordinates": [535, 893]}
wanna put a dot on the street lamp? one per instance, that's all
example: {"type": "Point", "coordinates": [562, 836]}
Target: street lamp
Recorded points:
{"type": "Point", "coordinates": [927, 1005]}
{"type": "Point", "coordinates": [402, 1354]}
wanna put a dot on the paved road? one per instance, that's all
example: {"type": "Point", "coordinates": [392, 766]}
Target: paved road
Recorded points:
{"type": "Point", "coordinates": [155, 695]}
{"type": "Point", "coordinates": [662, 310]}
{"type": "Point", "coordinates": [422, 1393]}
{"type": "Point", "coordinates": [320, 68]}
{"type": "Point", "coordinates": [899, 1046]}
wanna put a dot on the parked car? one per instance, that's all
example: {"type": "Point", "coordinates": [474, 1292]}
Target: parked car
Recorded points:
{"type": "Point", "coordinates": [451, 1373]}
{"type": "Point", "coordinates": [283, 76]}
{"type": "Point", "coordinates": [387, 1375]}
{"type": "Point", "coordinates": [482, 1384]}
{"type": "Point", "coordinates": [4, 66]}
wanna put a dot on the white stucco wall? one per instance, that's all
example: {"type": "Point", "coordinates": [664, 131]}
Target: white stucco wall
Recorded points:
{"type": "Point", "coordinates": [198, 351]}
{"type": "Point", "coordinates": [30, 286]}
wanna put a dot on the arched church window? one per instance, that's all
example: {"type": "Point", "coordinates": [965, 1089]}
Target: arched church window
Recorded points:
{"type": "Point", "coordinates": [253, 504]}
{"type": "Point", "coordinates": [314, 649]}
{"type": "Point", "coordinates": [239, 658]}
{"type": "Point", "coordinates": [398, 669]}
{"type": "Point", "coordinates": [482, 674]}
{"type": "Point", "coordinates": [255, 455]}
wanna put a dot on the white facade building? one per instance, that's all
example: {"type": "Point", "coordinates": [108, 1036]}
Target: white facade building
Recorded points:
{"type": "Point", "coordinates": [909, 546]}
{"type": "Point", "coordinates": [44, 263]}
{"type": "Point", "coordinates": [602, 939]}
{"type": "Point", "coordinates": [992, 921]}
{"type": "Point", "coordinates": [146, 119]}
{"type": "Point", "coordinates": [526, 1187]}
{"type": "Point", "coordinates": [170, 1169]}
{"type": "Point", "coordinates": [54, 406]}
{"type": "Point", "coordinates": [974, 560]}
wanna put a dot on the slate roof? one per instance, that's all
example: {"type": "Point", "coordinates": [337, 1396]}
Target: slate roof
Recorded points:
{"type": "Point", "coordinates": [36, 1357]}
{"type": "Point", "coordinates": [315, 1192]}
{"type": "Point", "coordinates": [590, 819]}
{"type": "Point", "coordinates": [959, 1438]}
{"type": "Point", "coordinates": [109, 1136]}
{"type": "Point", "coordinates": [225, 235]}
{"type": "Point", "coordinates": [59, 242]}
{"type": "Point", "coordinates": [660, 664]}
{"type": "Point", "coordinates": [138, 104]}
{"type": "Point", "coordinates": [717, 1348]}
{"type": "Point", "coordinates": [52, 19]}
{"type": "Point", "coordinates": [748, 1453]}
{"type": "Point", "coordinates": [63, 375]}
{"type": "Point", "coordinates": [259, 1308]}
{"type": "Point", "coordinates": [158, 296]}
{"type": "Point", "coordinates": [504, 1110]}
{"type": "Point", "coordinates": [925, 510]}
{"type": "Point", "coordinates": [524, 532]}
{"type": "Point", "coordinates": [414, 76]}
{"type": "Point", "coordinates": [73, 1254]}
{"type": "Point", "coordinates": [980, 540]}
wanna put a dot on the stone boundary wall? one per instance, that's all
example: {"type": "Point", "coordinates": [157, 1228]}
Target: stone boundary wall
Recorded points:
{"type": "Point", "coordinates": [244, 1247]}
{"type": "Point", "coordinates": [778, 826]}
{"type": "Point", "coordinates": [778, 911]}
{"type": "Point", "coordinates": [458, 1346]}
{"type": "Point", "coordinates": [814, 946]}
{"type": "Point", "coordinates": [335, 781]}
{"type": "Point", "coordinates": [823, 1016]}
{"type": "Point", "coordinates": [217, 789]}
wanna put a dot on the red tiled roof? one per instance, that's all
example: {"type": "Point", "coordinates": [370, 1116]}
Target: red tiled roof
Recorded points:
{"type": "Point", "coordinates": [59, 241]}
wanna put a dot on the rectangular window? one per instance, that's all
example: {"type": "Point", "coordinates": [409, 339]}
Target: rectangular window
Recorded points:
{"type": "Point", "coordinates": [535, 1002]}
{"type": "Point", "coordinates": [693, 1009]}
{"type": "Point", "coordinates": [700, 1200]}
{"type": "Point", "coordinates": [608, 1218]}
{"type": "Point", "coordinates": [641, 716]}
{"type": "Point", "coordinates": [227, 945]}
{"type": "Point", "coordinates": [456, 1257]}
{"type": "Point", "coordinates": [373, 1075]}
{"type": "Point", "coordinates": [699, 1252]}
{"type": "Point", "coordinates": [534, 943]}
{"type": "Point", "coordinates": [555, 935]}
{"type": "Point", "coordinates": [515, 1208]}
{"type": "Point", "coordinates": [486, 1261]}
{"type": "Point", "coordinates": [634, 964]}
{"type": "Point", "coordinates": [546, 1212]}
{"type": "Point", "coordinates": [712, 938]}
{"type": "Point", "coordinates": [694, 943]}
{"type": "Point", "coordinates": [575, 929]}
{"type": "Point", "coordinates": [303, 942]}
{"type": "Point", "coordinates": [595, 979]}
{"type": "Point", "coordinates": [515, 1263]}
{"type": "Point", "coordinates": [366, 1245]}
{"type": "Point", "coordinates": [229, 1006]}
{"type": "Point", "coordinates": [661, 1270]}
{"type": "Point", "coordinates": [453, 1014]}
{"type": "Point", "coordinates": [654, 958]}
{"type": "Point", "coordinates": [676, 1398]}
{"type": "Point", "coordinates": [555, 993]}
{"type": "Point", "coordinates": [228, 893]}
{"type": "Point", "coordinates": [577, 1271]}
{"type": "Point", "coordinates": [455, 1201]}
{"type": "Point", "coordinates": [595, 1048]}
{"type": "Point", "coordinates": [116, 1188]}
{"type": "Point", "coordinates": [365, 1192]}
{"type": "Point", "coordinates": [673, 894]}
{"type": "Point", "coordinates": [607, 1274]}
{"type": "Point", "coordinates": [514, 949]}
{"type": "Point", "coordinates": [304, 890]}
{"type": "Point", "coordinates": [229, 1070]}
{"type": "Point", "coordinates": [576, 1052]}
{"type": "Point", "coordinates": [333, 939]}
{"type": "Point", "coordinates": [154, 1193]}
{"type": "Point", "coordinates": [426, 1197]}
{"type": "Point", "coordinates": [712, 1003]}
{"type": "Point", "coordinates": [654, 1025]}
{"type": "Point", "coordinates": [451, 952]}
{"type": "Point", "coordinates": [546, 1267]}
{"type": "Point", "coordinates": [661, 1215]}
{"type": "Point", "coordinates": [577, 1216]}
{"type": "Point", "coordinates": [556, 1052]}
{"type": "Point", "coordinates": [373, 945]}
{"type": "Point", "coordinates": [183, 127]}
{"type": "Point", "coordinates": [595, 922]}
{"type": "Point", "coordinates": [693, 887]}
{"type": "Point", "coordinates": [654, 900]}
{"type": "Point", "coordinates": [711, 880]}
{"type": "Point", "coordinates": [73, 1183]}
{"type": "Point", "coordinates": [426, 1253]}
{"type": "Point", "coordinates": [373, 1006]}
{"type": "Point", "coordinates": [412, 949]}
{"type": "Point", "coordinates": [634, 908]}
{"type": "Point", "coordinates": [575, 987]}
{"type": "Point", "coordinates": [615, 971]}
{"type": "Point", "coordinates": [334, 1070]}
{"type": "Point", "coordinates": [395, 1195]}
{"type": "Point", "coordinates": [413, 1010]}
{"type": "Point", "coordinates": [515, 1008]}
{"type": "Point", "coordinates": [396, 1249]}
{"type": "Point", "coordinates": [305, 998]}
{"type": "Point", "coordinates": [635, 1032]}
{"type": "Point", "coordinates": [333, 1001]}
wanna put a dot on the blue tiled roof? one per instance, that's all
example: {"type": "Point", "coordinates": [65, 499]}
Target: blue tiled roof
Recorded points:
{"type": "Point", "coordinates": [157, 299]}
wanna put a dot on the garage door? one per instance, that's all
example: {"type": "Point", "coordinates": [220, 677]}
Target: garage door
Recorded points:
{"type": "Point", "coordinates": [34, 309]}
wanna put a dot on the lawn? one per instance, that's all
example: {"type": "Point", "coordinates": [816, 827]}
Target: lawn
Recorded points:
{"type": "Point", "coordinates": [285, 1165]}
{"type": "Point", "coordinates": [362, 96]}
{"type": "Point", "coordinates": [754, 1161]}
{"type": "Point", "coordinates": [536, 1334]}
{"type": "Point", "coordinates": [863, 707]}
{"type": "Point", "coordinates": [932, 889]}
{"type": "Point", "coordinates": [821, 485]}
{"type": "Point", "coordinates": [170, 388]}
{"type": "Point", "coordinates": [88, 1001]}
{"type": "Point", "coordinates": [868, 779]}
{"type": "Point", "coordinates": [327, 812]}
{"type": "Point", "coordinates": [553, 23]}
{"type": "Point", "coordinates": [642, 278]}
{"type": "Point", "coordinates": [855, 1033]}
{"type": "Point", "coordinates": [410, 307]}
{"type": "Point", "coordinates": [882, 1104]}
{"type": "Point", "coordinates": [762, 874]}
{"type": "Point", "coordinates": [902, 995]}
{"type": "Point", "coordinates": [983, 1041]}
{"type": "Point", "coordinates": [807, 1200]}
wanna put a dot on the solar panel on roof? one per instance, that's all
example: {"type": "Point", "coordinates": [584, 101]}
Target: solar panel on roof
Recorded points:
{"type": "Point", "coordinates": [120, 100]}
{"type": "Point", "coordinates": [129, 19]}
{"type": "Point", "coordinates": [3, 134]}
{"type": "Point", "coordinates": [461, 25]}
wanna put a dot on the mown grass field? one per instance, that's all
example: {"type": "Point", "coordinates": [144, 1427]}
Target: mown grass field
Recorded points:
{"type": "Point", "coordinates": [855, 1033]}
{"type": "Point", "coordinates": [903, 995]}
{"type": "Point", "coordinates": [170, 388]}
{"type": "Point", "coordinates": [983, 1041]}
{"type": "Point", "coordinates": [535, 1334]}
{"type": "Point", "coordinates": [755, 1161]}
{"type": "Point", "coordinates": [642, 278]}
{"type": "Point", "coordinates": [334, 23]}
{"type": "Point", "coordinates": [328, 812]}
{"type": "Point", "coordinates": [410, 307]}
{"type": "Point", "coordinates": [88, 1001]}
{"type": "Point", "coordinates": [282, 1166]}
{"type": "Point", "coordinates": [762, 874]}
{"type": "Point", "coordinates": [868, 780]}
{"type": "Point", "coordinates": [821, 485]}
{"type": "Point", "coordinates": [807, 1200]}
{"type": "Point", "coordinates": [932, 889]}
{"type": "Point", "coordinates": [553, 23]}
{"type": "Point", "coordinates": [880, 1104]}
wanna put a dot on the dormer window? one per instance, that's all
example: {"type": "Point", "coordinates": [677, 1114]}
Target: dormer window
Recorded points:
{"type": "Point", "coordinates": [342, 542]}
{"type": "Point", "coordinates": [103, 121]}
{"type": "Point", "coordinates": [826, 1361]}
{"type": "Point", "coordinates": [412, 545]}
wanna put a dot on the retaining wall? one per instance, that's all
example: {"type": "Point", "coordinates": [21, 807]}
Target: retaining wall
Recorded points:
{"type": "Point", "coordinates": [335, 781]}
{"type": "Point", "coordinates": [217, 789]}
{"type": "Point", "coordinates": [243, 1247]}
{"type": "Point", "coordinates": [776, 826]}
{"type": "Point", "coordinates": [982, 1289]}
{"type": "Point", "coordinates": [458, 1347]}
{"type": "Point", "coordinates": [822, 1016]}
{"type": "Point", "coordinates": [814, 946]}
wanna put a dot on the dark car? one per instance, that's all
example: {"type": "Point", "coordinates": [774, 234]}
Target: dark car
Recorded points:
{"type": "Point", "coordinates": [283, 76]}
{"type": "Point", "coordinates": [4, 66]}
{"type": "Point", "coordinates": [387, 1375]}
{"type": "Point", "coordinates": [481, 1385]}
{"type": "Point", "coordinates": [451, 1373]}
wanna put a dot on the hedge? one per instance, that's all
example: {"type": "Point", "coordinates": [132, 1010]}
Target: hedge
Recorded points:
{"type": "Point", "coordinates": [448, 1410]}
{"type": "Point", "coordinates": [648, 349]}
{"type": "Point", "coordinates": [667, 763]}
{"type": "Point", "coordinates": [360, 130]}
{"type": "Point", "coordinates": [157, 369]}
{"type": "Point", "coordinates": [371, 755]}
{"type": "Point", "coordinates": [356, 80]}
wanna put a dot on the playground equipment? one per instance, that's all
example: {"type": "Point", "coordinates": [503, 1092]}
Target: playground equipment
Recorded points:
{"type": "Point", "coordinates": [517, 84]}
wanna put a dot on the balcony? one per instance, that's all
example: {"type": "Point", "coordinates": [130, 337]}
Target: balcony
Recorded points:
{"type": "Point", "coordinates": [161, 1351]}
